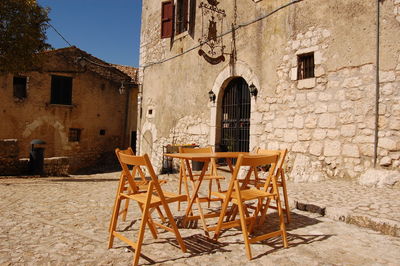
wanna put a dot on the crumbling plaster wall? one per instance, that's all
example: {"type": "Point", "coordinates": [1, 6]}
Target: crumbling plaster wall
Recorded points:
{"type": "Point", "coordinates": [326, 122]}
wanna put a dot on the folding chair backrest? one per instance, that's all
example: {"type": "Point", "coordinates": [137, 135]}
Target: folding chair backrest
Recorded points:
{"type": "Point", "coordinates": [137, 161]}
{"type": "Point", "coordinates": [253, 161]}
{"type": "Point", "coordinates": [281, 160]}
{"type": "Point", "coordinates": [195, 150]}
{"type": "Point", "coordinates": [123, 158]}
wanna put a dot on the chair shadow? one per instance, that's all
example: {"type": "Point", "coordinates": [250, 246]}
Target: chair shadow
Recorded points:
{"type": "Point", "coordinates": [196, 245]}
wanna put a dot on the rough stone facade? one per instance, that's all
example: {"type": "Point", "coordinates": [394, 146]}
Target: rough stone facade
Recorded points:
{"type": "Point", "coordinates": [327, 122]}
{"type": "Point", "coordinates": [98, 110]}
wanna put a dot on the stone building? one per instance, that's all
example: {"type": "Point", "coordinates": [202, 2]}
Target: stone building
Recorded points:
{"type": "Point", "coordinates": [73, 103]}
{"type": "Point", "coordinates": [292, 74]}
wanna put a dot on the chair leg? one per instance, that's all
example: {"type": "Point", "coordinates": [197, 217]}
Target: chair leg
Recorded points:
{"type": "Point", "coordinates": [180, 185]}
{"type": "Point", "coordinates": [209, 192]}
{"type": "Point", "coordinates": [113, 223]}
{"type": "Point", "coordinates": [285, 197]}
{"type": "Point", "coordinates": [142, 228]}
{"type": "Point", "coordinates": [160, 214]}
{"type": "Point", "coordinates": [243, 221]}
{"type": "Point", "coordinates": [174, 227]}
{"type": "Point", "coordinates": [150, 223]}
{"type": "Point", "coordinates": [125, 211]}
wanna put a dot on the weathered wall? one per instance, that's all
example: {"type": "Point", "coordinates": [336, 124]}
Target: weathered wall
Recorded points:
{"type": "Point", "coordinates": [96, 105]}
{"type": "Point", "coordinates": [326, 122]}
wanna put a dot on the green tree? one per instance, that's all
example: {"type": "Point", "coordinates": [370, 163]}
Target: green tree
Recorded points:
{"type": "Point", "coordinates": [23, 25]}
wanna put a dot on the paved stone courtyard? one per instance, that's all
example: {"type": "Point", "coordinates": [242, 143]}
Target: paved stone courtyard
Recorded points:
{"type": "Point", "coordinates": [64, 221]}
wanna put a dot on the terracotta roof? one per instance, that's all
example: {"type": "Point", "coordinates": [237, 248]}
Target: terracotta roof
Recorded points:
{"type": "Point", "coordinates": [92, 63]}
{"type": "Point", "coordinates": [130, 71]}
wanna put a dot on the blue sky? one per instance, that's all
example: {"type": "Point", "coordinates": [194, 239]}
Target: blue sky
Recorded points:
{"type": "Point", "coordinates": [107, 29]}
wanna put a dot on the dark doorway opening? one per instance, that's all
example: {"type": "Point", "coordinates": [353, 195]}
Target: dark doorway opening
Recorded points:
{"type": "Point", "coordinates": [133, 141]}
{"type": "Point", "coordinates": [235, 119]}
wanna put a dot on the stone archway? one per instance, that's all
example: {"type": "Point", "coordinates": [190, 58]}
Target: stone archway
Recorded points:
{"type": "Point", "coordinates": [242, 70]}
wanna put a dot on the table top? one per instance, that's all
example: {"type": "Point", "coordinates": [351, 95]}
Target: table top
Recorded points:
{"type": "Point", "coordinates": [205, 156]}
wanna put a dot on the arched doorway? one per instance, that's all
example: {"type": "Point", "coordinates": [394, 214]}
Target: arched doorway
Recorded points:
{"type": "Point", "coordinates": [235, 116]}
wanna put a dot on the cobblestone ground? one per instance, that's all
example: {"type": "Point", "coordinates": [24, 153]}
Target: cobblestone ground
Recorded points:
{"type": "Point", "coordinates": [64, 221]}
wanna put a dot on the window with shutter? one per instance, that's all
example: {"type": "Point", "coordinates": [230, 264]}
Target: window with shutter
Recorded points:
{"type": "Point", "coordinates": [167, 19]}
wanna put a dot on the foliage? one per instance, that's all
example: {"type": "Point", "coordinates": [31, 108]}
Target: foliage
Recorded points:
{"type": "Point", "coordinates": [23, 25]}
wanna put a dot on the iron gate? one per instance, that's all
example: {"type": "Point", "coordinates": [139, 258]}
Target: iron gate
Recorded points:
{"type": "Point", "coordinates": [236, 116]}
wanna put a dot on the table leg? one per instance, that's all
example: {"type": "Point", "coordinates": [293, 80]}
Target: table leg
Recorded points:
{"type": "Point", "coordinates": [195, 195]}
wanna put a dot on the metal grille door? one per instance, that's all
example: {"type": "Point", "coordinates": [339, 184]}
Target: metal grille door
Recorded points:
{"type": "Point", "coordinates": [236, 116]}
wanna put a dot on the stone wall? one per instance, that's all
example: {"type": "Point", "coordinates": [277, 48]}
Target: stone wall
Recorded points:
{"type": "Point", "coordinates": [97, 109]}
{"type": "Point", "coordinates": [12, 165]}
{"type": "Point", "coordinates": [327, 122]}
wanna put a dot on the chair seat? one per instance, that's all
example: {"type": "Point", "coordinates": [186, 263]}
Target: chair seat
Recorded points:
{"type": "Point", "coordinates": [155, 200]}
{"type": "Point", "coordinates": [246, 194]}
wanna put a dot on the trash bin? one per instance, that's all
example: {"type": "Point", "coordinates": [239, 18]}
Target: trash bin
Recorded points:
{"type": "Point", "coordinates": [197, 166]}
{"type": "Point", "coordinates": [36, 157]}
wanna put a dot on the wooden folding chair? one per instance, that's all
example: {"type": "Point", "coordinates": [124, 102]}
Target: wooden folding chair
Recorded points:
{"type": "Point", "coordinates": [239, 195]}
{"type": "Point", "coordinates": [142, 186]}
{"type": "Point", "coordinates": [280, 176]}
{"type": "Point", "coordinates": [185, 171]}
{"type": "Point", "coordinates": [148, 200]}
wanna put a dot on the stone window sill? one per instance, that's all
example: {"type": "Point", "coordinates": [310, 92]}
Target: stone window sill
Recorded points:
{"type": "Point", "coordinates": [304, 84]}
{"type": "Point", "coordinates": [60, 105]}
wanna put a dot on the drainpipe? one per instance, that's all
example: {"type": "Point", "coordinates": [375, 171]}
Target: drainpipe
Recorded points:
{"type": "Point", "coordinates": [377, 83]}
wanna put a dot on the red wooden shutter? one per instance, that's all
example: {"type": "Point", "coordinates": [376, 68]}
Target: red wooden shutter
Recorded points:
{"type": "Point", "coordinates": [167, 19]}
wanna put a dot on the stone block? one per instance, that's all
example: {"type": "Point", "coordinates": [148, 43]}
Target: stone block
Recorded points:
{"type": "Point", "coordinates": [293, 73]}
{"type": "Point", "coordinates": [352, 82]}
{"type": "Point", "coordinates": [300, 147]}
{"type": "Point", "coordinates": [9, 148]}
{"type": "Point", "coordinates": [348, 130]}
{"type": "Point", "coordinates": [298, 121]}
{"type": "Point", "coordinates": [319, 71]}
{"type": "Point", "coordinates": [387, 76]}
{"type": "Point", "coordinates": [316, 148]}
{"type": "Point", "coordinates": [333, 133]}
{"type": "Point", "coordinates": [320, 108]}
{"type": "Point", "coordinates": [304, 135]}
{"type": "Point", "coordinates": [379, 178]}
{"type": "Point", "coordinates": [306, 83]}
{"type": "Point", "coordinates": [312, 96]}
{"type": "Point", "coordinates": [354, 94]}
{"type": "Point", "coordinates": [364, 139]}
{"type": "Point", "coordinates": [389, 144]}
{"type": "Point", "coordinates": [306, 170]}
{"type": "Point", "coordinates": [385, 161]}
{"type": "Point", "coordinates": [332, 148]}
{"type": "Point", "coordinates": [387, 89]}
{"type": "Point", "coordinates": [327, 121]}
{"type": "Point", "coordinates": [290, 136]}
{"type": "Point", "coordinates": [256, 117]}
{"type": "Point", "coordinates": [394, 124]}
{"type": "Point", "coordinates": [318, 59]}
{"type": "Point", "coordinates": [280, 122]}
{"type": "Point", "coordinates": [351, 150]}
{"type": "Point", "coordinates": [310, 121]}
{"type": "Point", "coordinates": [319, 134]}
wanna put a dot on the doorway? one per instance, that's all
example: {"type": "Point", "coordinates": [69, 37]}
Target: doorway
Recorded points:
{"type": "Point", "coordinates": [235, 119]}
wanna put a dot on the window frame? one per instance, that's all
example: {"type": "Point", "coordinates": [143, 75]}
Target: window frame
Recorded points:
{"type": "Point", "coordinates": [305, 66]}
{"type": "Point", "coordinates": [61, 90]}
{"type": "Point", "coordinates": [20, 89]}
{"type": "Point", "coordinates": [74, 134]}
